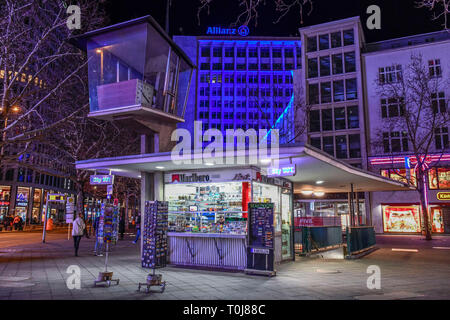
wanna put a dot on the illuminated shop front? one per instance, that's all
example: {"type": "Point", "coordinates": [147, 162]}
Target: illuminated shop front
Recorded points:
{"type": "Point", "coordinates": [408, 219]}
{"type": "Point", "coordinates": [22, 202]}
{"type": "Point", "coordinates": [5, 196]}
{"type": "Point", "coordinates": [209, 210]}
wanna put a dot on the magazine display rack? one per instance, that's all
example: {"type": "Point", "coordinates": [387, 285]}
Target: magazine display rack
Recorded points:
{"type": "Point", "coordinates": [154, 251]}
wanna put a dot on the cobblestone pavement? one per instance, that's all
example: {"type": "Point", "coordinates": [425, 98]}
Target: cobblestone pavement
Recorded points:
{"type": "Point", "coordinates": [30, 269]}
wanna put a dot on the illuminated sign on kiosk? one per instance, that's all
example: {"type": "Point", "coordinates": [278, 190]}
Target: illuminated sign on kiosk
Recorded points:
{"type": "Point", "coordinates": [102, 179]}
{"type": "Point", "coordinates": [281, 171]}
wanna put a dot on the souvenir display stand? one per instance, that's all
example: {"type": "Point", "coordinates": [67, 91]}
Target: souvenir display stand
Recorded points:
{"type": "Point", "coordinates": [260, 241]}
{"type": "Point", "coordinates": [108, 232]}
{"type": "Point", "coordinates": [154, 251]}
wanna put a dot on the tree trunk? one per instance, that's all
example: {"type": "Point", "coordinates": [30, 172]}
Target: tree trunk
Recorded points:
{"type": "Point", "coordinates": [422, 180]}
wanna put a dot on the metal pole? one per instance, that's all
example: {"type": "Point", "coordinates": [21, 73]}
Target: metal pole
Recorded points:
{"type": "Point", "coordinates": [352, 207]}
{"type": "Point", "coordinates": [358, 213]}
{"type": "Point", "coordinates": [106, 259]}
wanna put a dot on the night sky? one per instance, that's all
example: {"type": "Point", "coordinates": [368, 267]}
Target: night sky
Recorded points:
{"type": "Point", "coordinates": [399, 18]}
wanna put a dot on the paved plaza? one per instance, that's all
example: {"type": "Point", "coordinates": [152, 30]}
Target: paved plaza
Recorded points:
{"type": "Point", "coordinates": [30, 269]}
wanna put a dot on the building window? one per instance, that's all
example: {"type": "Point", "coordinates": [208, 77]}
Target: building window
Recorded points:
{"type": "Point", "coordinates": [229, 78]}
{"type": "Point", "coordinates": [324, 66]}
{"type": "Point", "coordinates": [354, 145]}
{"type": "Point", "coordinates": [327, 119]}
{"type": "Point", "coordinates": [439, 178]}
{"type": "Point", "coordinates": [217, 52]}
{"type": "Point", "coordinates": [217, 66]}
{"type": "Point", "coordinates": [336, 39]}
{"type": "Point", "coordinates": [341, 147]}
{"type": "Point", "coordinates": [253, 52]}
{"type": "Point", "coordinates": [350, 89]}
{"type": "Point", "coordinates": [241, 52]}
{"type": "Point", "coordinates": [21, 175]}
{"type": "Point", "coordinates": [349, 37]}
{"type": "Point", "coordinates": [206, 52]}
{"type": "Point", "coordinates": [324, 42]}
{"type": "Point", "coordinates": [311, 44]}
{"type": "Point", "coordinates": [350, 64]}
{"type": "Point", "coordinates": [265, 53]}
{"type": "Point", "coordinates": [204, 66]}
{"type": "Point", "coordinates": [392, 107]}
{"type": "Point", "coordinates": [216, 78]}
{"type": "Point", "coordinates": [337, 63]}
{"type": "Point", "coordinates": [314, 93]}
{"type": "Point", "coordinates": [229, 52]}
{"type": "Point", "coordinates": [395, 141]}
{"type": "Point", "coordinates": [352, 117]}
{"type": "Point", "coordinates": [288, 79]}
{"type": "Point", "coordinates": [252, 66]}
{"type": "Point", "coordinates": [434, 66]}
{"type": "Point", "coordinates": [328, 145]}
{"type": "Point", "coordinates": [339, 118]}
{"type": "Point", "coordinates": [438, 102]}
{"type": "Point", "coordinates": [312, 68]}
{"type": "Point", "coordinates": [276, 52]}
{"type": "Point", "coordinates": [325, 92]}
{"type": "Point", "coordinates": [241, 78]}
{"type": "Point", "coordinates": [204, 78]}
{"type": "Point", "coordinates": [289, 53]}
{"type": "Point", "coordinates": [229, 66]}
{"type": "Point", "coordinates": [314, 121]}
{"type": "Point", "coordinates": [265, 66]}
{"type": "Point", "coordinates": [277, 66]}
{"type": "Point", "coordinates": [390, 74]}
{"type": "Point", "coordinates": [253, 78]}
{"type": "Point", "coordinates": [315, 142]}
{"type": "Point", "coordinates": [441, 138]}
{"type": "Point", "coordinates": [338, 90]}
{"type": "Point", "coordinates": [204, 91]}
{"type": "Point", "coordinates": [240, 66]}
{"type": "Point", "coordinates": [9, 176]}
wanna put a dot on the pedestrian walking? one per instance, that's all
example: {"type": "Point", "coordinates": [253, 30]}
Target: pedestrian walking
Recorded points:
{"type": "Point", "coordinates": [16, 222]}
{"type": "Point", "coordinates": [122, 226]}
{"type": "Point", "coordinates": [77, 232]}
{"type": "Point", "coordinates": [138, 228]}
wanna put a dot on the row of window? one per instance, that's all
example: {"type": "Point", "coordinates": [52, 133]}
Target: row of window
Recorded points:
{"type": "Point", "coordinates": [394, 73]}
{"type": "Point", "coordinates": [243, 78]}
{"type": "Point", "coordinates": [334, 119]}
{"type": "Point", "coordinates": [244, 92]}
{"type": "Point", "coordinates": [340, 146]}
{"type": "Point", "coordinates": [340, 92]}
{"type": "Point", "coordinates": [438, 178]}
{"type": "Point", "coordinates": [395, 107]}
{"type": "Point", "coordinates": [31, 176]}
{"type": "Point", "coordinates": [333, 40]}
{"type": "Point", "coordinates": [241, 104]}
{"type": "Point", "coordinates": [243, 66]}
{"type": "Point", "coordinates": [336, 64]}
{"type": "Point", "coordinates": [227, 126]}
{"type": "Point", "coordinates": [397, 141]}
{"type": "Point", "coordinates": [239, 115]}
{"type": "Point", "coordinates": [254, 52]}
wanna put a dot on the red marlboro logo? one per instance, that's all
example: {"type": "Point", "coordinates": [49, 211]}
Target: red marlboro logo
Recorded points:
{"type": "Point", "coordinates": [175, 177]}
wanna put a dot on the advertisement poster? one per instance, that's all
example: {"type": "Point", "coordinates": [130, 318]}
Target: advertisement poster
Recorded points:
{"type": "Point", "coordinates": [438, 225]}
{"type": "Point", "coordinates": [401, 219]}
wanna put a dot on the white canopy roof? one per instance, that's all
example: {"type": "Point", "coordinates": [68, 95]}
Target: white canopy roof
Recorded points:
{"type": "Point", "coordinates": [312, 165]}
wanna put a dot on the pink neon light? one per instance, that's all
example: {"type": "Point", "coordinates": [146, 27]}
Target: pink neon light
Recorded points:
{"type": "Point", "coordinates": [413, 160]}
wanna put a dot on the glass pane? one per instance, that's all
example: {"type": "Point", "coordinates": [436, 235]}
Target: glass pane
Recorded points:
{"type": "Point", "coordinates": [338, 90]}
{"type": "Point", "coordinates": [324, 42]}
{"type": "Point", "coordinates": [352, 117]}
{"type": "Point", "coordinates": [325, 92]}
{"type": "Point", "coordinates": [341, 147]}
{"type": "Point", "coordinates": [328, 145]}
{"type": "Point", "coordinates": [327, 120]}
{"type": "Point", "coordinates": [314, 121]}
{"type": "Point", "coordinates": [312, 68]}
{"type": "Point", "coordinates": [336, 39]}
{"type": "Point", "coordinates": [349, 58]}
{"type": "Point", "coordinates": [349, 37]}
{"type": "Point", "coordinates": [337, 64]}
{"type": "Point", "coordinates": [355, 146]}
{"type": "Point", "coordinates": [350, 85]}
{"type": "Point", "coordinates": [324, 66]}
{"type": "Point", "coordinates": [339, 118]}
{"type": "Point", "coordinates": [313, 93]}
{"type": "Point", "coordinates": [311, 43]}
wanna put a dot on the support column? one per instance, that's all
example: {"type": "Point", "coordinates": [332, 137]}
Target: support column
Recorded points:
{"type": "Point", "coordinates": [358, 213]}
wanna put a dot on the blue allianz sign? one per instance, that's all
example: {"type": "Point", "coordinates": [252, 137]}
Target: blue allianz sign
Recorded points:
{"type": "Point", "coordinates": [281, 171]}
{"type": "Point", "coordinates": [101, 179]}
{"type": "Point", "coordinates": [241, 31]}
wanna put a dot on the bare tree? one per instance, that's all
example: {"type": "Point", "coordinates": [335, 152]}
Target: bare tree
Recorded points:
{"type": "Point", "coordinates": [440, 9]}
{"type": "Point", "coordinates": [417, 119]}
{"type": "Point", "coordinates": [251, 8]}
{"type": "Point", "coordinates": [37, 66]}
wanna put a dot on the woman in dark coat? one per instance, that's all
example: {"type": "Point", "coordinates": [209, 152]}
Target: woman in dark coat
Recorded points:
{"type": "Point", "coordinates": [122, 225]}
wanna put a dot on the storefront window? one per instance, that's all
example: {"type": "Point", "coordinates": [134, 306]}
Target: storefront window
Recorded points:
{"type": "Point", "coordinates": [37, 196]}
{"type": "Point", "coordinates": [286, 236]}
{"type": "Point", "coordinates": [22, 200]}
{"type": "Point", "coordinates": [5, 193]}
{"type": "Point", "coordinates": [401, 219]}
{"type": "Point", "coordinates": [439, 178]}
{"type": "Point", "coordinates": [201, 207]}
{"type": "Point", "coordinates": [270, 194]}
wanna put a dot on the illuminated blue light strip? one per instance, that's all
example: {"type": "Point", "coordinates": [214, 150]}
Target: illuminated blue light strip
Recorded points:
{"type": "Point", "coordinates": [285, 110]}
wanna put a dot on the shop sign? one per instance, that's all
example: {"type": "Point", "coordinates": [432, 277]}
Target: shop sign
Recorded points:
{"type": "Point", "coordinates": [281, 171]}
{"type": "Point", "coordinates": [101, 179]}
{"type": "Point", "coordinates": [443, 195]}
{"type": "Point", "coordinates": [242, 31]}
{"type": "Point", "coordinates": [308, 221]}
{"type": "Point", "coordinates": [56, 197]}
{"type": "Point", "coordinates": [192, 178]}
{"type": "Point", "coordinates": [21, 200]}
{"type": "Point", "coordinates": [4, 203]}
{"type": "Point", "coordinates": [70, 206]}
{"type": "Point", "coordinates": [240, 177]}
